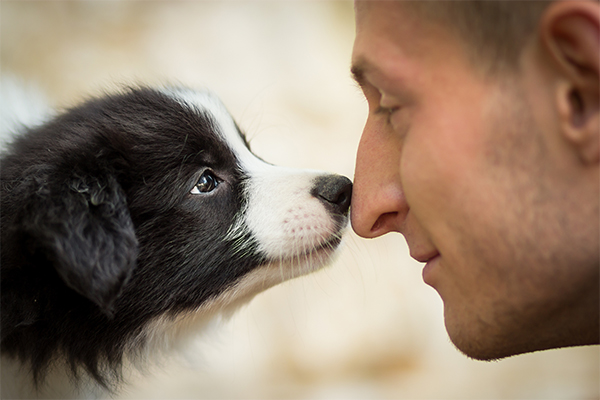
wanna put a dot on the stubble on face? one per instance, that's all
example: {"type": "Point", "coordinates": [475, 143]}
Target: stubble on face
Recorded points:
{"type": "Point", "coordinates": [536, 278]}
{"type": "Point", "coordinates": [497, 236]}
{"type": "Point", "coordinates": [506, 273]}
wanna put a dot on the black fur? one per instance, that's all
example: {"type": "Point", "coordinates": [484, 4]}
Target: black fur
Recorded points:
{"type": "Point", "coordinates": [99, 228]}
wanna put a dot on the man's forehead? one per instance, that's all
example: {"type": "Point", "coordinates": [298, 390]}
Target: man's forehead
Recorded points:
{"type": "Point", "coordinates": [391, 36]}
{"type": "Point", "coordinates": [374, 45]}
{"type": "Point", "coordinates": [377, 8]}
{"type": "Point", "coordinates": [378, 22]}
{"type": "Point", "coordinates": [361, 6]}
{"type": "Point", "coordinates": [365, 43]}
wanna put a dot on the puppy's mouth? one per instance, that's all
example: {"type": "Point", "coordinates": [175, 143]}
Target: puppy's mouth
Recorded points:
{"type": "Point", "coordinates": [328, 246]}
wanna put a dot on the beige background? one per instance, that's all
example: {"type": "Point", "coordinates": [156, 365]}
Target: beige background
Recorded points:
{"type": "Point", "coordinates": [366, 327]}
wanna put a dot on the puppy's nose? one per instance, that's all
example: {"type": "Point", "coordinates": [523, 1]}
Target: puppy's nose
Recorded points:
{"type": "Point", "coordinates": [335, 191]}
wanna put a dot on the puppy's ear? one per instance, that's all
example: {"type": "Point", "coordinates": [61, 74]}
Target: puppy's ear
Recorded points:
{"type": "Point", "coordinates": [83, 225]}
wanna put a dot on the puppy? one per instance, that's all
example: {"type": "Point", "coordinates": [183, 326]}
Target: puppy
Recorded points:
{"type": "Point", "coordinates": [129, 220]}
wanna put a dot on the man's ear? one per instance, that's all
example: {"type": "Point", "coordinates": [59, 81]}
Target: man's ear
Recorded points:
{"type": "Point", "coordinates": [82, 225]}
{"type": "Point", "coordinates": [570, 31]}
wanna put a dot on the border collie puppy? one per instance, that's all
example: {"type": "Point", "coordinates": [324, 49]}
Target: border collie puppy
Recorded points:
{"type": "Point", "coordinates": [129, 220]}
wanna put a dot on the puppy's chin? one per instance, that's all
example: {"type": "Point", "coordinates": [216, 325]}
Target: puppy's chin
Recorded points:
{"type": "Point", "coordinates": [269, 274]}
{"type": "Point", "coordinates": [171, 332]}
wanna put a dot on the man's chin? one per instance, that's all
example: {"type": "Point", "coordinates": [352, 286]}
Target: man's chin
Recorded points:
{"type": "Point", "coordinates": [504, 332]}
{"type": "Point", "coordinates": [481, 340]}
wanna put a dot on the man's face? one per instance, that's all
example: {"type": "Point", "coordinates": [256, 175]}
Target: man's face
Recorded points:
{"type": "Point", "coordinates": [457, 162]}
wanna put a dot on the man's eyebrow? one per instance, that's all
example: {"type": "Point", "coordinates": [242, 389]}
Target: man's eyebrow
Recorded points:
{"type": "Point", "coordinates": [358, 74]}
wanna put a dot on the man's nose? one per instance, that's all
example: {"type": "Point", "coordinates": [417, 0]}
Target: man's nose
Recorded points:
{"type": "Point", "coordinates": [378, 202]}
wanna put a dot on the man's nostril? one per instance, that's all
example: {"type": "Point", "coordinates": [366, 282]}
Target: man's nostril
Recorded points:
{"type": "Point", "coordinates": [381, 221]}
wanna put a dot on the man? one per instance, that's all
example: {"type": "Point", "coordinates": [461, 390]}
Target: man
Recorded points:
{"type": "Point", "coordinates": [482, 147]}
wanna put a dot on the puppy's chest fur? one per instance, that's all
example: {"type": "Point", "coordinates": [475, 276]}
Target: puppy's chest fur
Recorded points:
{"type": "Point", "coordinates": [131, 217]}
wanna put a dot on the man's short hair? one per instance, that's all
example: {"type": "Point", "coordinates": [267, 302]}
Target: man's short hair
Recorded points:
{"type": "Point", "coordinates": [495, 32]}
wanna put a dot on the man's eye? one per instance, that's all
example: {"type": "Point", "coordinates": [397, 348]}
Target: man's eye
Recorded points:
{"type": "Point", "coordinates": [387, 112]}
{"type": "Point", "coordinates": [207, 183]}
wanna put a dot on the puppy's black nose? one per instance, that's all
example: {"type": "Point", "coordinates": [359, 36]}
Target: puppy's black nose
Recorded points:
{"type": "Point", "coordinates": [335, 191]}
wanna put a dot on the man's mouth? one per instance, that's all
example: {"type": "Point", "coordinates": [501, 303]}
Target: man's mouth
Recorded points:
{"type": "Point", "coordinates": [426, 257]}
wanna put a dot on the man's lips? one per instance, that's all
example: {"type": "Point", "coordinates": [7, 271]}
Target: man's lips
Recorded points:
{"type": "Point", "coordinates": [429, 268]}
{"type": "Point", "coordinates": [425, 257]}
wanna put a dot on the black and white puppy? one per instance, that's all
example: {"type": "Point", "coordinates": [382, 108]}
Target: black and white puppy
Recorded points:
{"type": "Point", "coordinates": [130, 219]}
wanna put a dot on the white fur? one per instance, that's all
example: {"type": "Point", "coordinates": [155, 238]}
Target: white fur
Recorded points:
{"type": "Point", "coordinates": [281, 213]}
{"type": "Point", "coordinates": [292, 228]}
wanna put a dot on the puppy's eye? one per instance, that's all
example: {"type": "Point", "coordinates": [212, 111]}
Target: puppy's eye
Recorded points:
{"type": "Point", "coordinates": [207, 183]}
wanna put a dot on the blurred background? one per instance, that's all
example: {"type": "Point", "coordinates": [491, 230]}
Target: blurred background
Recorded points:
{"type": "Point", "coordinates": [365, 328]}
